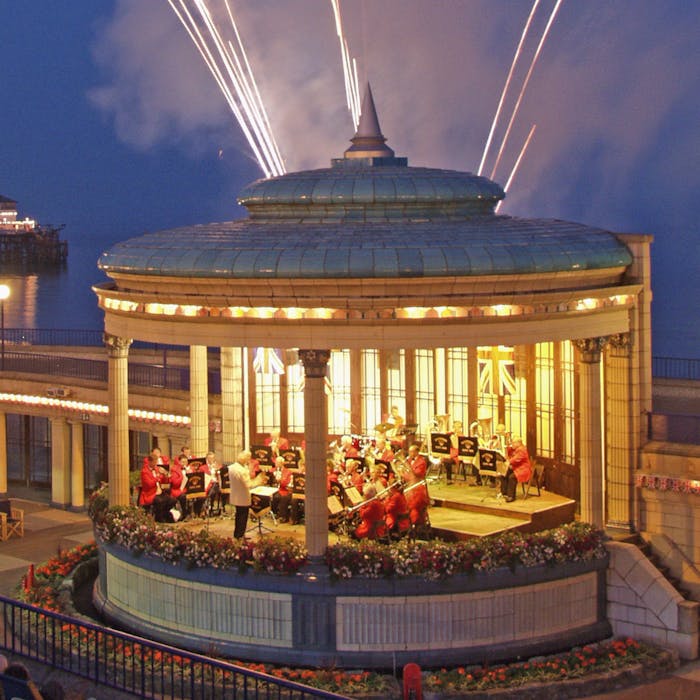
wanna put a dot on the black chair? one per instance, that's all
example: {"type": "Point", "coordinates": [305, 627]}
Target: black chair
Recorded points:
{"type": "Point", "coordinates": [535, 480]}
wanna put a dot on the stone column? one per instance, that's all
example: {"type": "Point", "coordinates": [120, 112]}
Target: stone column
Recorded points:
{"type": "Point", "coordinates": [3, 455]}
{"type": "Point", "coordinates": [118, 426]}
{"type": "Point", "coordinates": [60, 463]}
{"type": "Point", "coordinates": [77, 481]}
{"type": "Point", "coordinates": [621, 442]}
{"type": "Point", "coordinates": [591, 445]}
{"type": "Point", "coordinates": [232, 412]}
{"type": "Point", "coordinates": [316, 434]}
{"type": "Point", "coordinates": [199, 401]}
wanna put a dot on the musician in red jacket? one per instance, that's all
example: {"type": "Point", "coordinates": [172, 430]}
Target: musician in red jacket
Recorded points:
{"type": "Point", "coordinates": [155, 485]}
{"type": "Point", "coordinates": [416, 462]}
{"type": "Point", "coordinates": [371, 517]}
{"type": "Point", "coordinates": [277, 443]}
{"type": "Point", "coordinates": [519, 468]}
{"type": "Point", "coordinates": [397, 518]}
{"type": "Point", "coordinates": [282, 499]}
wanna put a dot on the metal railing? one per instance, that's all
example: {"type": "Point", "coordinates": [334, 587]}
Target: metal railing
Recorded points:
{"type": "Point", "coordinates": [149, 375]}
{"type": "Point", "coordinates": [133, 664]}
{"type": "Point", "coordinates": [66, 337]}
{"type": "Point", "coordinates": [675, 368]}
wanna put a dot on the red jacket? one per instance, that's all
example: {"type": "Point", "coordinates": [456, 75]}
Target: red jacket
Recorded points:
{"type": "Point", "coordinates": [149, 482]}
{"type": "Point", "coordinates": [519, 461]}
{"type": "Point", "coordinates": [419, 467]}
{"type": "Point", "coordinates": [396, 509]}
{"type": "Point", "coordinates": [372, 521]}
{"type": "Point", "coordinates": [417, 500]}
{"type": "Point", "coordinates": [176, 480]}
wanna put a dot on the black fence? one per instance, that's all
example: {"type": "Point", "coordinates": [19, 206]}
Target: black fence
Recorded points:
{"type": "Point", "coordinates": [132, 664]}
{"type": "Point", "coordinates": [66, 337]}
{"type": "Point", "coordinates": [147, 375]}
{"type": "Point", "coordinates": [675, 368]}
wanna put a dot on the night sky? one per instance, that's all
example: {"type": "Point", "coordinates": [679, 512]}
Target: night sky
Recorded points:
{"type": "Point", "coordinates": [111, 125]}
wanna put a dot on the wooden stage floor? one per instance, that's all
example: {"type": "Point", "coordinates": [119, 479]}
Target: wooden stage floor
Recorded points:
{"type": "Point", "coordinates": [458, 511]}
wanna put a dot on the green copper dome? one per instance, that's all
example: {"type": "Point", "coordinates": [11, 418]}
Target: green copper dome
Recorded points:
{"type": "Point", "coordinates": [370, 215]}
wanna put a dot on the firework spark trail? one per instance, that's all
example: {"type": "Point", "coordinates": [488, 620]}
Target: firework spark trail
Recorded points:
{"type": "Point", "coordinates": [232, 73]}
{"type": "Point", "coordinates": [258, 97]}
{"type": "Point", "coordinates": [496, 116]}
{"type": "Point", "coordinates": [525, 82]}
{"type": "Point", "coordinates": [517, 164]}
{"type": "Point", "coordinates": [352, 85]}
{"type": "Point", "coordinates": [241, 85]}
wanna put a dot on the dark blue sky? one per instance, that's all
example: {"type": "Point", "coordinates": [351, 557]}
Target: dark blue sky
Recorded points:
{"type": "Point", "coordinates": [111, 126]}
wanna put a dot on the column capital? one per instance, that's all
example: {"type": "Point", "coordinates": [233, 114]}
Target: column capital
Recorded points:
{"type": "Point", "coordinates": [116, 345]}
{"type": "Point", "coordinates": [621, 342]}
{"type": "Point", "coordinates": [315, 362]}
{"type": "Point", "coordinates": [590, 348]}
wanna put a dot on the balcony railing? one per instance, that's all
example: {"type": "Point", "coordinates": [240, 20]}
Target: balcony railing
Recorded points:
{"type": "Point", "coordinates": [147, 375]}
{"type": "Point", "coordinates": [675, 368]}
{"type": "Point", "coordinates": [132, 664]}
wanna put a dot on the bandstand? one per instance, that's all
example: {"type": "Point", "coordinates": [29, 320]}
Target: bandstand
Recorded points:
{"type": "Point", "coordinates": [395, 285]}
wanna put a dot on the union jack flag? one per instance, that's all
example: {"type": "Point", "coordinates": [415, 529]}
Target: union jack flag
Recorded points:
{"type": "Point", "coordinates": [506, 377]}
{"type": "Point", "coordinates": [268, 361]}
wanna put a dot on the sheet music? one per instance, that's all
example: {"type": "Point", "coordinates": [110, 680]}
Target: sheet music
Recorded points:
{"type": "Point", "coordinates": [264, 490]}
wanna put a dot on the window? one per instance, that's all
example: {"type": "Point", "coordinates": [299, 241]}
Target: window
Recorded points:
{"type": "Point", "coordinates": [425, 387]}
{"type": "Point", "coordinates": [338, 388]}
{"type": "Point", "coordinates": [370, 391]}
{"type": "Point", "coordinates": [568, 409]}
{"type": "Point", "coordinates": [544, 398]}
{"type": "Point", "coordinates": [267, 402]}
{"type": "Point", "coordinates": [295, 398]}
{"type": "Point", "coordinates": [457, 392]}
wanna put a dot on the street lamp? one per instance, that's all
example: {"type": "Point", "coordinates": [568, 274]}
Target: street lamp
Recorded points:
{"type": "Point", "coordinates": [4, 294]}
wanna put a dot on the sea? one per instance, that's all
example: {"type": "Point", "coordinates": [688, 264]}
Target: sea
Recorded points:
{"type": "Point", "coordinates": [63, 298]}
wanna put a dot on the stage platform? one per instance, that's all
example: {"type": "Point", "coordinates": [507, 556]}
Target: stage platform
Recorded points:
{"type": "Point", "coordinates": [461, 511]}
{"type": "Point", "coordinates": [458, 511]}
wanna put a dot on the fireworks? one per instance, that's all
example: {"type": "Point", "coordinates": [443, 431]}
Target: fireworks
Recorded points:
{"type": "Point", "coordinates": [352, 88]}
{"type": "Point", "coordinates": [228, 63]}
{"type": "Point", "coordinates": [524, 86]}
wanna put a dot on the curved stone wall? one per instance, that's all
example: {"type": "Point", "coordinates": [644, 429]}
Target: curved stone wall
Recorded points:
{"type": "Point", "coordinates": [309, 620]}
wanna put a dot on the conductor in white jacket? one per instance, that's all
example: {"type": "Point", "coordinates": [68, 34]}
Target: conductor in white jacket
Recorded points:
{"type": "Point", "coordinates": [239, 475]}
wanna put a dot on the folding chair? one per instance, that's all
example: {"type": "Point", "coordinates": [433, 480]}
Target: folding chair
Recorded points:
{"type": "Point", "coordinates": [11, 520]}
{"type": "Point", "coordinates": [535, 480]}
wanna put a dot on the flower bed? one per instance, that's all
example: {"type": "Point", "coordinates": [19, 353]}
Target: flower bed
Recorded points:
{"type": "Point", "coordinates": [136, 531]}
{"type": "Point", "coordinates": [539, 673]}
{"type": "Point", "coordinates": [439, 560]}
{"type": "Point", "coordinates": [132, 528]}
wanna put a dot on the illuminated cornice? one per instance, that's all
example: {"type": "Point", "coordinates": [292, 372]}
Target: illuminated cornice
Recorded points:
{"type": "Point", "coordinates": [84, 407]}
{"type": "Point", "coordinates": [293, 313]}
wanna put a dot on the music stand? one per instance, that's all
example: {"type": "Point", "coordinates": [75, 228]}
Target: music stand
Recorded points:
{"type": "Point", "coordinates": [467, 450]}
{"type": "Point", "coordinates": [263, 453]}
{"type": "Point", "coordinates": [260, 506]}
{"type": "Point", "coordinates": [489, 461]}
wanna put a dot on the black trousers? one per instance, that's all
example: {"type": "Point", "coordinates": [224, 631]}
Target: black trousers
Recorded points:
{"type": "Point", "coordinates": [508, 484]}
{"type": "Point", "coordinates": [240, 520]}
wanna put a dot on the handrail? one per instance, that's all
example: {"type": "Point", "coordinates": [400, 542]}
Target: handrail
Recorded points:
{"type": "Point", "coordinates": [675, 368]}
{"type": "Point", "coordinates": [140, 374]}
{"type": "Point", "coordinates": [133, 664]}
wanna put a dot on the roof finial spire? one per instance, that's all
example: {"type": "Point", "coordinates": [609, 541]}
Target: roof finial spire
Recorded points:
{"type": "Point", "coordinates": [368, 141]}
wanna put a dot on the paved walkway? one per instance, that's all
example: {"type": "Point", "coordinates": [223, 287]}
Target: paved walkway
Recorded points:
{"type": "Point", "coordinates": [48, 529]}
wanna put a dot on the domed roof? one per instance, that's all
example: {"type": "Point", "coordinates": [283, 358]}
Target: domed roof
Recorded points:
{"type": "Point", "coordinates": [369, 216]}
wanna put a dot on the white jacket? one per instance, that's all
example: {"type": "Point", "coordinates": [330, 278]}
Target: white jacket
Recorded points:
{"type": "Point", "coordinates": [240, 484]}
